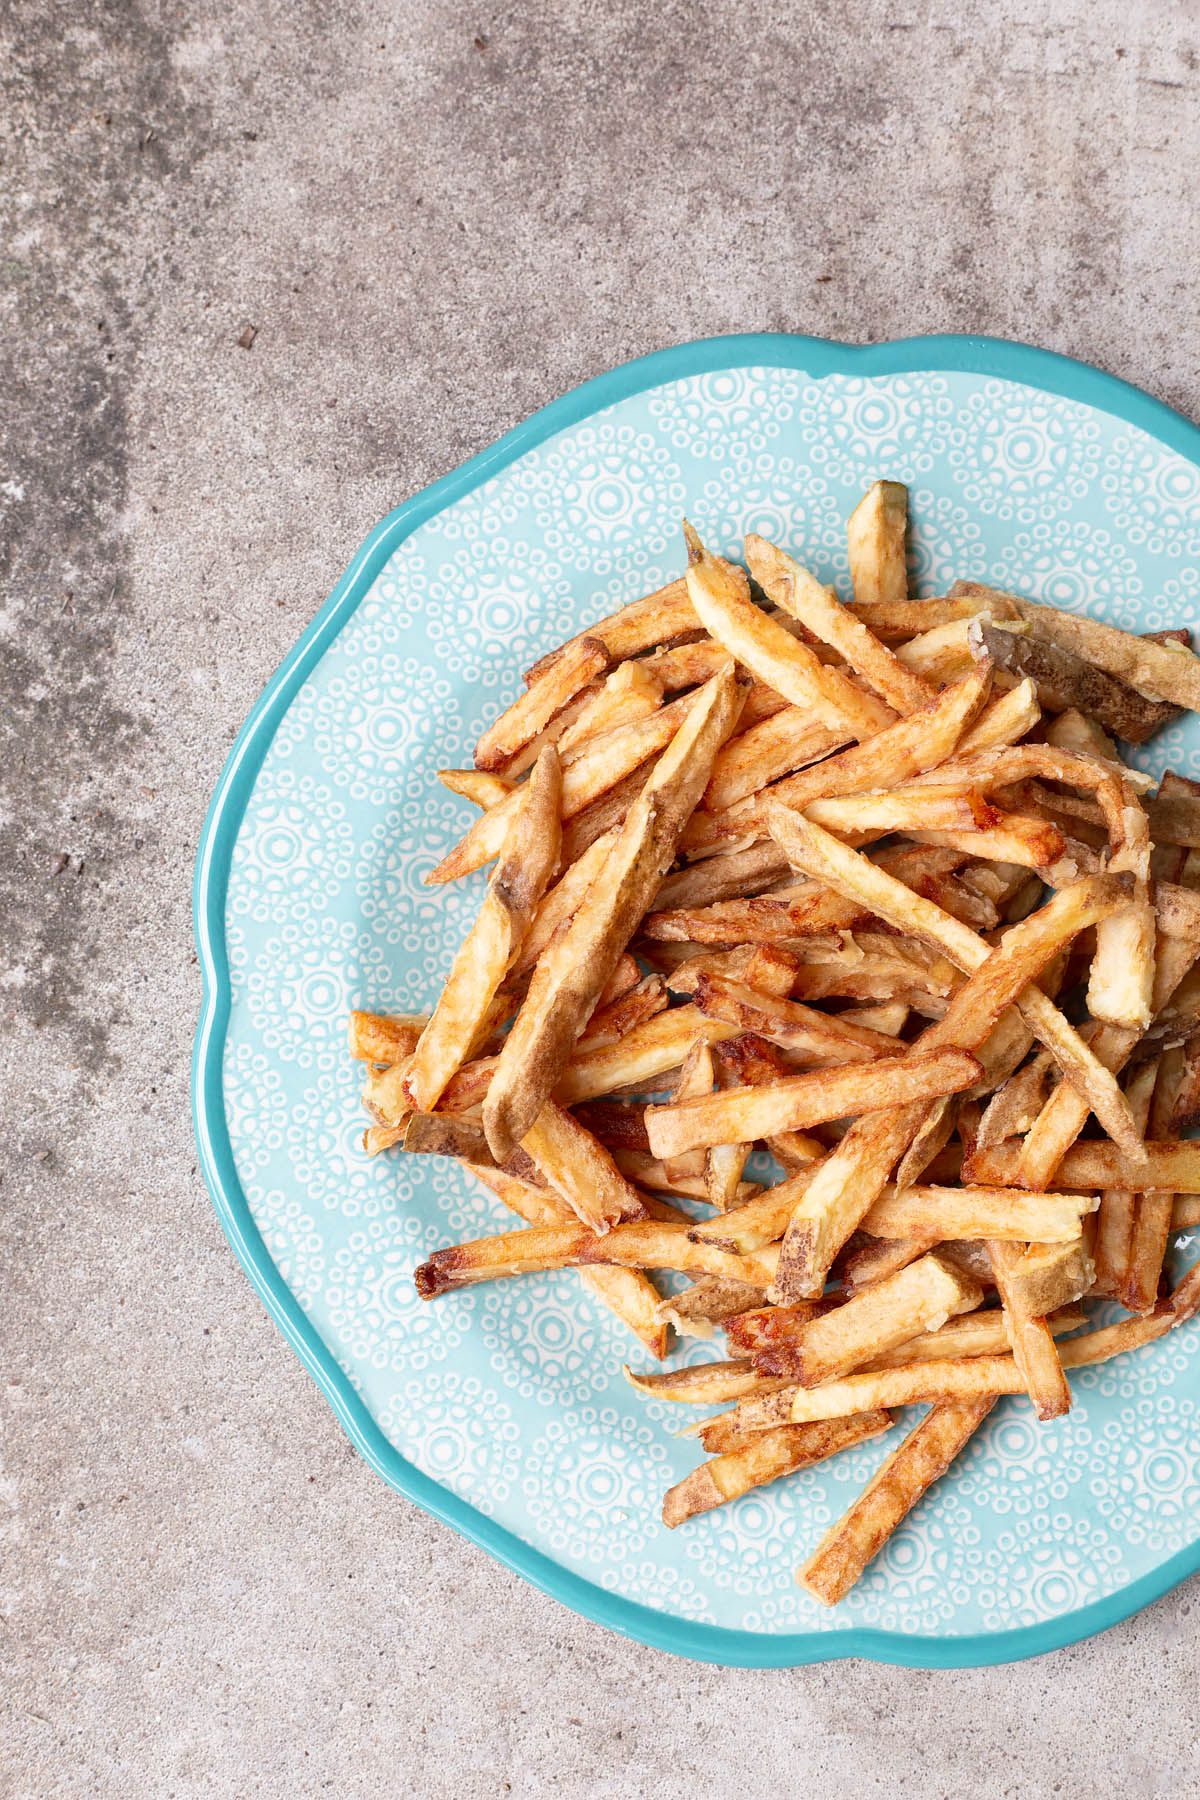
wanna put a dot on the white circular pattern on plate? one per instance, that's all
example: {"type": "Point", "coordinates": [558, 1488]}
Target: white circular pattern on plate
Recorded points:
{"type": "Point", "coordinates": [512, 1395]}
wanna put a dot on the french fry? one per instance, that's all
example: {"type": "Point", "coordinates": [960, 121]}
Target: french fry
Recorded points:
{"type": "Point", "coordinates": [802, 911]}
{"type": "Point", "coordinates": [791, 1025]}
{"type": "Point", "coordinates": [978, 1212]}
{"type": "Point", "coordinates": [627, 1293]}
{"type": "Point", "coordinates": [865, 1260]}
{"type": "Point", "coordinates": [639, 1058]}
{"type": "Point", "coordinates": [771, 653]}
{"type": "Point", "coordinates": [648, 1172]}
{"type": "Point", "coordinates": [447, 1134]}
{"type": "Point", "coordinates": [735, 875]}
{"type": "Point", "coordinates": [909, 1472]}
{"type": "Point", "coordinates": [642, 1245]}
{"type": "Point", "coordinates": [659, 618]}
{"type": "Point", "coordinates": [916, 1299]}
{"type": "Point", "coordinates": [1114, 1223]}
{"type": "Point", "coordinates": [772, 1454]}
{"type": "Point", "coordinates": [705, 1304]}
{"type": "Point", "coordinates": [697, 1075]}
{"type": "Point", "coordinates": [820, 611]}
{"type": "Point", "coordinates": [476, 785]}
{"type": "Point", "coordinates": [385, 1038]}
{"type": "Point", "coordinates": [1160, 671]}
{"type": "Point", "coordinates": [580, 1170]}
{"type": "Point", "coordinates": [787, 740]}
{"type": "Point", "coordinates": [972, 1334]}
{"type": "Point", "coordinates": [630, 693]}
{"type": "Point", "coordinates": [1033, 1346]}
{"type": "Point", "coordinates": [610, 1023]}
{"type": "Point", "coordinates": [875, 534]}
{"type": "Point", "coordinates": [806, 1100]}
{"type": "Point", "coordinates": [704, 1384]}
{"type": "Point", "coordinates": [575, 965]}
{"type": "Point", "coordinates": [563, 899]}
{"type": "Point", "coordinates": [1185, 1214]}
{"type": "Point", "coordinates": [1151, 1225]}
{"type": "Point", "coordinates": [1063, 680]}
{"type": "Point", "coordinates": [897, 620]}
{"type": "Point", "coordinates": [579, 664]}
{"type": "Point", "coordinates": [769, 1327]}
{"type": "Point", "coordinates": [1003, 721]}
{"type": "Point", "coordinates": [1096, 1166]}
{"type": "Point", "coordinates": [526, 863]}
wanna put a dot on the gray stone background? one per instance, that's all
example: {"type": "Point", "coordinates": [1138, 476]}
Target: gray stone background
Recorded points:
{"type": "Point", "coordinates": [437, 217]}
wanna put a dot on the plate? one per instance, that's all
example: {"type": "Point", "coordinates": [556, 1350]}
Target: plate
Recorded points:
{"type": "Point", "coordinates": [501, 1410]}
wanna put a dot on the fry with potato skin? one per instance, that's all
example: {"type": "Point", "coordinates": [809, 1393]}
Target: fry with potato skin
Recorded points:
{"type": "Point", "coordinates": [576, 965]}
{"type": "Point", "coordinates": [875, 534]}
{"type": "Point", "coordinates": [1032, 1341]}
{"type": "Point", "coordinates": [1095, 1165]}
{"type": "Point", "coordinates": [978, 1212]}
{"type": "Point", "coordinates": [909, 1472]}
{"type": "Point", "coordinates": [771, 1454]}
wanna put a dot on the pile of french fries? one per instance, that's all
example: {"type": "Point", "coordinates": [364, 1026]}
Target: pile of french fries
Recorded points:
{"type": "Point", "coordinates": [869, 886]}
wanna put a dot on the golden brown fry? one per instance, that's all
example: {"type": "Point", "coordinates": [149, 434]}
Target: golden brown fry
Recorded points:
{"type": "Point", "coordinates": [642, 1245]}
{"type": "Point", "coordinates": [787, 740]}
{"type": "Point", "coordinates": [1063, 680]}
{"type": "Point", "coordinates": [1088, 1165]}
{"type": "Point", "coordinates": [805, 910]}
{"type": "Point", "coordinates": [875, 533]}
{"type": "Point", "coordinates": [385, 1038]}
{"type": "Point", "coordinates": [640, 1058]}
{"type": "Point", "coordinates": [865, 1260]}
{"type": "Point", "coordinates": [1114, 1224]}
{"type": "Point", "coordinates": [1151, 1226]}
{"type": "Point", "coordinates": [978, 1212]}
{"type": "Point", "coordinates": [706, 1303]}
{"type": "Point", "coordinates": [807, 1100]}
{"type": "Point", "coordinates": [772, 653]}
{"type": "Point", "coordinates": [648, 1172]}
{"type": "Point", "coordinates": [526, 863]}
{"type": "Point", "coordinates": [1185, 1213]}
{"type": "Point", "coordinates": [894, 620]}
{"type": "Point", "coordinates": [972, 1334]}
{"type": "Point", "coordinates": [820, 611]}
{"type": "Point", "coordinates": [791, 1025]}
{"type": "Point", "coordinates": [860, 1534]}
{"type": "Point", "coordinates": [768, 1327]}
{"type": "Point", "coordinates": [1003, 721]}
{"type": "Point", "coordinates": [580, 1169]}
{"type": "Point", "coordinates": [579, 664]}
{"type": "Point", "coordinates": [1033, 1346]}
{"type": "Point", "coordinates": [659, 618]}
{"type": "Point", "coordinates": [731, 876]}
{"type": "Point", "coordinates": [482, 789]}
{"type": "Point", "coordinates": [704, 1384]}
{"type": "Point", "coordinates": [563, 899]}
{"type": "Point", "coordinates": [614, 1021]}
{"type": "Point", "coordinates": [576, 964]}
{"type": "Point", "coordinates": [1043, 1277]}
{"type": "Point", "coordinates": [446, 1134]}
{"type": "Point", "coordinates": [772, 1454]}
{"type": "Point", "coordinates": [916, 1299]}
{"type": "Point", "coordinates": [630, 693]}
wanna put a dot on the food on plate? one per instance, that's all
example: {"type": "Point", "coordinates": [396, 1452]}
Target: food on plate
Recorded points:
{"type": "Point", "coordinates": [867, 886]}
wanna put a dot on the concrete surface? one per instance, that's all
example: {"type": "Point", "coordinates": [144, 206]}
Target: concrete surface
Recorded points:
{"type": "Point", "coordinates": [437, 217]}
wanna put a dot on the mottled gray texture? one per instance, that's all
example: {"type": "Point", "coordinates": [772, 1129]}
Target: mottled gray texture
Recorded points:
{"type": "Point", "coordinates": [438, 218]}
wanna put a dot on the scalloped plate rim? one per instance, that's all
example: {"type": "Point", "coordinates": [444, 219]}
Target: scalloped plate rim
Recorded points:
{"type": "Point", "coordinates": [1045, 370]}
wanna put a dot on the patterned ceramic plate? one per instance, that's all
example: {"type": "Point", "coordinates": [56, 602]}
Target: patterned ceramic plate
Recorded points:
{"type": "Point", "coordinates": [502, 1410]}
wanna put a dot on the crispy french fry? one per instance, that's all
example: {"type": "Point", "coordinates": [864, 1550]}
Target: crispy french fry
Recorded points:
{"type": "Point", "coordinates": [735, 875]}
{"type": "Point", "coordinates": [766, 648]}
{"type": "Point", "coordinates": [704, 1384]}
{"type": "Point", "coordinates": [821, 612]}
{"type": "Point", "coordinates": [630, 693]}
{"type": "Point", "coordinates": [576, 964]}
{"type": "Point", "coordinates": [865, 1260]}
{"type": "Point", "coordinates": [769, 1327]}
{"type": "Point", "coordinates": [659, 618]}
{"type": "Point", "coordinates": [527, 861]}
{"type": "Point", "coordinates": [807, 1100]}
{"type": "Point", "coordinates": [897, 620]}
{"type": "Point", "coordinates": [915, 1299]}
{"type": "Point", "coordinates": [1185, 1213]}
{"type": "Point", "coordinates": [642, 1245]}
{"type": "Point", "coordinates": [772, 1454]}
{"type": "Point", "coordinates": [875, 534]}
{"type": "Point", "coordinates": [610, 1023]}
{"type": "Point", "coordinates": [580, 1169]}
{"type": "Point", "coordinates": [978, 1212]}
{"type": "Point", "coordinates": [860, 1534]}
{"type": "Point", "coordinates": [1114, 1224]}
{"type": "Point", "coordinates": [637, 1060]}
{"type": "Point", "coordinates": [791, 1025]}
{"type": "Point", "coordinates": [476, 785]}
{"type": "Point", "coordinates": [1063, 680]}
{"type": "Point", "coordinates": [706, 1304]}
{"type": "Point", "coordinates": [1151, 1225]}
{"type": "Point", "coordinates": [649, 1173]}
{"type": "Point", "coordinates": [787, 740]}
{"type": "Point", "coordinates": [385, 1038]}
{"type": "Point", "coordinates": [972, 1334]}
{"type": "Point", "coordinates": [1033, 1346]}
{"type": "Point", "coordinates": [1005, 719]}
{"type": "Point", "coordinates": [1095, 1166]}
{"type": "Point", "coordinates": [579, 664]}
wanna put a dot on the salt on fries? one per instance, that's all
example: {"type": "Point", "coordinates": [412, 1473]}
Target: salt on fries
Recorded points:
{"type": "Point", "coordinates": [867, 885]}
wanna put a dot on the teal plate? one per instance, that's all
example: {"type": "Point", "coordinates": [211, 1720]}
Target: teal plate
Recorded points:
{"type": "Point", "coordinates": [502, 1410]}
